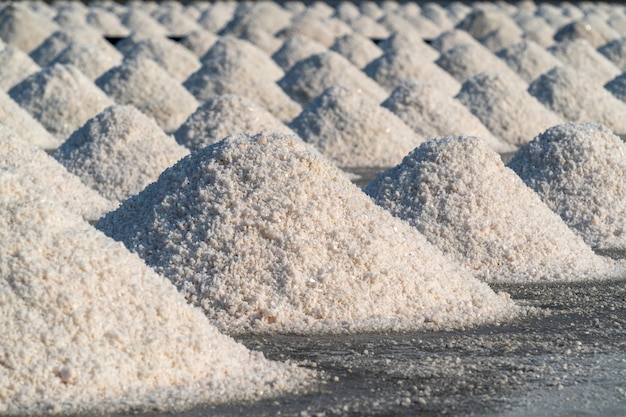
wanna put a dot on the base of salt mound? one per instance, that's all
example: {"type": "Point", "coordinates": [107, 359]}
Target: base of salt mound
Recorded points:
{"type": "Point", "coordinates": [266, 235]}
{"type": "Point", "coordinates": [458, 194]}
{"type": "Point", "coordinates": [87, 328]}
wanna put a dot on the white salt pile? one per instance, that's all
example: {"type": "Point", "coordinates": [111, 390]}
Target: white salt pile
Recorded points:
{"type": "Point", "coordinates": [528, 59]}
{"type": "Point", "coordinates": [141, 82]}
{"type": "Point", "coordinates": [404, 41]}
{"type": "Point", "coordinates": [615, 52]}
{"type": "Point", "coordinates": [15, 65]}
{"type": "Point", "coordinates": [119, 152]}
{"type": "Point", "coordinates": [23, 28]}
{"type": "Point", "coordinates": [139, 21]}
{"type": "Point", "coordinates": [368, 27]}
{"type": "Point", "coordinates": [353, 130]}
{"type": "Point", "coordinates": [225, 115]}
{"type": "Point", "coordinates": [199, 41]}
{"type": "Point", "coordinates": [506, 108]}
{"type": "Point", "coordinates": [309, 77]}
{"type": "Point", "coordinates": [536, 29]}
{"type": "Point", "coordinates": [438, 15]}
{"type": "Point", "coordinates": [61, 98]}
{"type": "Point", "coordinates": [174, 58]}
{"type": "Point", "coordinates": [451, 39]}
{"type": "Point", "coordinates": [323, 30]}
{"type": "Point", "coordinates": [294, 49]}
{"type": "Point", "coordinates": [482, 22]}
{"type": "Point", "coordinates": [265, 234]}
{"type": "Point", "coordinates": [264, 15]}
{"type": "Point", "coordinates": [396, 66]}
{"type": "Point", "coordinates": [88, 58]}
{"type": "Point", "coordinates": [262, 39]}
{"type": "Point", "coordinates": [217, 16]}
{"type": "Point", "coordinates": [44, 171]}
{"type": "Point", "coordinates": [597, 32]}
{"type": "Point", "coordinates": [502, 37]}
{"type": "Point", "coordinates": [87, 328]}
{"type": "Point", "coordinates": [172, 16]}
{"type": "Point", "coordinates": [460, 196]}
{"type": "Point", "coordinates": [357, 49]}
{"type": "Point", "coordinates": [105, 22]}
{"type": "Point", "coordinates": [425, 27]}
{"type": "Point", "coordinates": [579, 54]}
{"type": "Point", "coordinates": [431, 113]}
{"type": "Point", "coordinates": [617, 87]}
{"type": "Point", "coordinates": [579, 98]}
{"type": "Point", "coordinates": [579, 171]}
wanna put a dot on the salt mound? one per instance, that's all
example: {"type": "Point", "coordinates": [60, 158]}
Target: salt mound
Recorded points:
{"type": "Point", "coordinates": [596, 32]}
{"type": "Point", "coordinates": [505, 107]}
{"type": "Point", "coordinates": [45, 172]}
{"type": "Point", "coordinates": [323, 30]}
{"type": "Point", "coordinates": [262, 39]}
{"type": "Point", "coordinates": [615, 52]}
{"type": "Point", "coordinates": [528, 59]}
{"type": "Point", "coordinates": [119, 152]}
{"type": "Point", "coordinates": [579, 171]}
{"type": "Point", "coordinates": [172, 16]}
{"type": "Point", "coordinates": [264, 15]}
{"type": "Point", "coordinates": [579, 54]}
{"type": "Point", "coordinates": [553, 14]}
{"type": "Point", "coordinates": [88, 58]}
{"type": "Point", "coordinates": [264, 234]}
{"type": "Point", "coordinates": [396, 66]}
{"type": "Point", "coordinates": [368, 27]}
{"type": "Point", "coordinates": [438, 15]}
{"type": "Point", "coordinates": [61, 98]}
{"type": "Point", "coordinates": [309, 77]}
{"type": "Point", "coordinates": [537, 30]}
{"type": "Point", "coordinates": [141, 82]}
{"type": "Point", "coordinates": [140, 21]}
{"type": "Point", "coordinates": [105, 22]}
{"type": "Point", "coordinates": [15, 65]}
{"type": "Point", "coordinates": [23, 28]}
{"type": "Point", "coordinates": [217, 16]}
{"type": "Point", "coordinates": [403, 41]}
{"type": "Point", "coordinates": [294, 49]}
{"type": "Point", "coordinates": [431, 113]}
{"type": "Point", "coordinates": [501, 38]}
{"type": "Point", "coordinates": [425, 27]}
{"type": "Point", "coordinates": [87, 327]}
{"type": "Point", "coordinates": [357, 49]}
{"type": "Point", "coordinates": [179, 62]}
{"type": "Point", "coordinates": [480, 22]}
{"type": "Point", "coordinates": [579, 98]}
{"type": "Point", "coordinates": [451, 39]}
{"type": "Point", "coordinates": [199, 41]}
{"type": "Point", "coordinates": [459, 195]}
{"type": "Point", "coordinates": [352, 130]}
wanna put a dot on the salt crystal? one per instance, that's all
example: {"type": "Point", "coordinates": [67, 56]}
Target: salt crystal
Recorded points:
{"type": "Point", "coordinates": [528, 59]}
{"type": "Point", "coordinates": [264, 234]}
{"type": "Point", "coordinates": [294, 49]}
{"type": "Point", "coordinates": [88, 58]}
{"type": "Point", "coordinates": [579, 54]}
{"type": "Point", "coordinates": [15, 65]}
{"type": "Point", "coordinates": [23, 28]}
{"type": "Point", "coordinates": [357, 49]}
{"type": "Point", "coordinates": [460, 196]}
{"type": "Point", "coordinates": [179, 62]}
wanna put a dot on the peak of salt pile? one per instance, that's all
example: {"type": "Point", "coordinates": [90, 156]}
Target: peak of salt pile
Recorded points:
{"type": "Point", "coordinates": [460, 196]}
{"type": "Point", "coordinates": [265, 234]}
{"type": "Point", "coordinates": [142, 83]}
{"type": "Point", "coordinates": [105, 22]}
{"type": "Point", "coordinates": [480, 22]}
{"type": "Point", "coordinates": [119, 152]}
{"type": "Point", "coordinates": [615, 51]}
{"type": "Point", "coordinates": [528, 59]}
{"type": "Point", "coordinates": [61, 98]}
{"type": "Point", "coordinates": [431, 113]}
{"type": "Point", "coordinates": [452, 38]}
{"type": "Point", "coordinates": [87, 328]}
{"type": "Point", "coordinates": [199, 41]}
{"type": "Point", "coordinates": [536, 29]}
{"type": "Point", "coordinates": [579, 171]}
{"type": "Point", "coordinates": [264, 15]}
{"type": "Point", "coordinates": [405, 41]}
{"type": "Point", "coordinates": [353, 130]}
{"type": "Point", "coordinates": [88, 58]}
{"type": "Point", "coordinates": [579, 98]}
{"type": "Point", "coordinates": [396, 66]}
{"type": "Point", "coordinates": [44, 171]}
{"type": "Point", "coordinates": [438, 15]}
{"type": "Point", "coordinates": [140, 21]}
{"type": "Point", "coordinates": [580, 55]}
{"type": "Point", "coordinates": [172, 16]}
{"type": "Point", "coordinates": [505, 107]}
{"type": "Point", "coordinates": [357, 49]}
{"type": "Point", "coordinates": [309, 77]}
{"type": "Point", "coordinates": [294, 49]}
{"type": "Point", "coordinates": [225, 115]}
{"type": "Point", "coordinates": [174, 58]}
{"type": "Point", "coordinates": [15, 65]}
{"type": "Point", "coordinates": [596, 31]}
{"type": "Point", "coordinates": [23, 28]}
{"type": "Point", "coordinates": [323, 30]}
{"type": "Point", "coordinates": [218, 15]}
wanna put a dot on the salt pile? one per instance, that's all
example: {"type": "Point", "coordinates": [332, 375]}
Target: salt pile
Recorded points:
{"type": "Point", "coordinates": [403, 41]}
{"type": "Point", "coordinates": [262, 39]}
{"type": "Point", "coordinates": [294, 49]}
{"type": "Point", "coordinates": [579, 170]}
{"type": "Point", "coordinates": [528, 59]}
{"type": "Point", "coordinates": [460, 196]}
{"type": "Point", "coordinates": [579, 54]}
{"type": "Point", "coordinates": [172, 16]}
{"type": "Point", "coordinates": [61, 98]}
{"type": "Point", "coordinates": [88, 58]}
{"type": "Point", "coordinates": [368, 27]}
{"type": "Point", "coordinates": [264, 234]}
{"type": "Point", "coordinates": [225, 115]}
{"type": "Point", "coordinates": [352, 130]}
{"type": "Point", "coordinates": [438, 15]}
{"type": "Point", "coordinates": [357, 49]}
{"type": "Point", "coordinates": [141, 82]}
{"type": "Point", "coordinates": [23, 28]}
{"type": "Point", "coordinates": [323, 30]}
{"type": "Point", "coordinates": [493, 28]}
{"type": "Point", "coordinates": [119, 152]}
{"type": "Point", "coordinates": [105, 22]}
{"type": "Point", "coordinates": [431, 113]}
{"type": "Point", "coordinates": [615, 52]}
{"type": "Point", "coordinates": [174, 58]}
{"type": "Point", "coordinates": [217, 16]}
{"type": "Point", "coordinates": [595, 31]}
{"type": "Point", "coordinates": [264, 15]}
{"type": "Point", "coordinates": [45, 172]}
{"type": "Point", "coordinates": [536, 29]}
{"type": "Point", "coordinates": [451, 39]}
{"type": "Point", "coordinates": [15, 65]}
{"type": "Point", "coordinates": [87, 327]}
{"type": "Point", "coordinates": [199, 41]}
{"type": "Point", "coordinates": [506, 108]}
{"type": "Point", "coordinates": [139, 21]}
{"type": "Point", "coordinates": [309, 78]}
{"type": "Point", "coordinates": [501, 38]}
{"type": "Point", "coordinates": [579, 98]}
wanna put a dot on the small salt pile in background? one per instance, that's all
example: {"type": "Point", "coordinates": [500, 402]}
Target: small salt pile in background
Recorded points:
{"type": "Point", "coordinates": [265, 234]}
{"type": "Point", "coordinates": [615, 52]}
{"type": "Point", "coordinates": [15, 65]}
{"type": "Point", "coordinates": [357, 49]}
{"type": "Point", "coordinates": [88, 58]}
{"type": "Point", "coordinates": [23, 28]}
{"type": "Point", "coordinates": [457, 192]}
{"type": "Point", "coordinates": [294, 49]}
{"type": "Point", "coordinates": [528, 59]}
{"type": "Point", "coordinates": [199, 41]}
{"type": "Point", "coordinates": [579, 54]}
{"type": "Point", "coordinates": [579, 170]}
{"type": "Point", "coordinates": [119, 152]}
{"type": "Point", "coordinates": [321, 29]}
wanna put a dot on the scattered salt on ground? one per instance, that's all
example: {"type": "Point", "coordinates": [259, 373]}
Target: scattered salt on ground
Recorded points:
{"type": "Point", "coordinates": [579, 170]}
{"type": "Point", "coordinates": [353, 130]}
{"type": "Point", "coordinates": [23, 28]}
{"type": "Point", "coordinates": [141, 82]}
{"type": "Point", "coordinates": [457, 192]}
{"type": "Point", "coordinates": [596, 32]}
{"type": "Point", "coordinates": [15, 65]}
{"type": "Point", "coordinates": [615, 52]}
{"type": "Point", "coordinates": [528, 59]}
{"type": "Point", "coordinates": [506, 108]}
{"type": "Point", "coordinates": [431, 113]}
{"type": "Point", "coordinates": [86, 327]}
{"type": "Point", "coordinates": [225, 115]}
{"type": "Point", "coordinates": [18, 119]}
{"type": "Point", "coordinates": [217, 16]}
{"type": "Point", "coordinates": [44, 171]}
{"type": "Point", "coordinates": [579, 98]}
{"type": "Point", "coordinates": [357, 49]}
{"type": "Point", "coordinates": [179, 62]}
{"type": "Point", "coordinates": [264, 234]}
{"type": "Point", "coordinates": [396, 66]}
{"type": "Point", "coordinates": [309, 77]}
{"type": "Point", "coordinates": [199, 41]}
{"type": "Point", "coordinates": [61, 98]}
{"type": "Point", "coordinates": [105, 22]}
{"type": "Point", "coordinates": [88, 58]}
{"type": "Point", "coordinates": [294, 49]}
{"type": "Point", "coordinates": [139, 21]}
{"type": "Point", "coordinates": [119, 152]}
{"type": "Point", "coordinates": [579, 54]}
{"type": "Point", "coordinates": [322, 30]}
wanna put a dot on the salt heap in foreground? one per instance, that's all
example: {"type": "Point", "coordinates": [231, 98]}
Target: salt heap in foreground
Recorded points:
{"type": "Point", "coordinates": [119, 152]}
{"type": "Point", "coordinates": [265, 234]}
{"type": "Point", "coordinates": [579, 170]}
{"type": "Point", "coordinates": [458, 193]}
{"type": "Point", "coordinates": [86, 326]}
